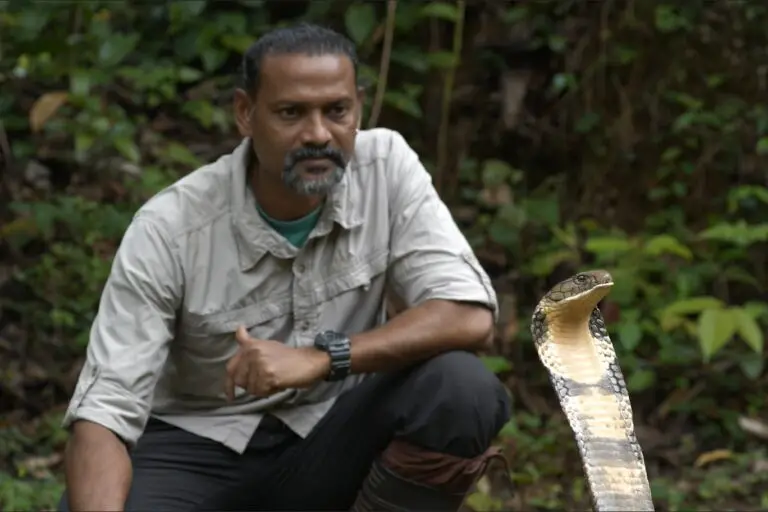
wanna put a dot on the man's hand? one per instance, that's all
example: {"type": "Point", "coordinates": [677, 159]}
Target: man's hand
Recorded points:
{"type": "Point", "coordinates": [266, 367]}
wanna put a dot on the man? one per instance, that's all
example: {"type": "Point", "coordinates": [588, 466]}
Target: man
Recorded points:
{"type": "Point", "coordinates": [240, 359]}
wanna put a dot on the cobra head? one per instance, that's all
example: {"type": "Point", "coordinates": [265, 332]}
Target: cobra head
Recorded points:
{"type": "Point", "coordinates": [577, 296]}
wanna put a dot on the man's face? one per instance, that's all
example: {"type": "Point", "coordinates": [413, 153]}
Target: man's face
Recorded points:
{"type": "Point", "coordinates": [303, 119]}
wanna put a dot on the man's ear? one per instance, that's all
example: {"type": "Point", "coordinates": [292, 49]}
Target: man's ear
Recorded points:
{"type": "Point", "coordinates": [243, 108]}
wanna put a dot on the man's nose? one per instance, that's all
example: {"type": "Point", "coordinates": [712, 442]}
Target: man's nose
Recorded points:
{"type": "Point", "coordinates": [315, 130]}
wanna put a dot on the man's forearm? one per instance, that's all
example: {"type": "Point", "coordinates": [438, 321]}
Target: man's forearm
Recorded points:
{"type": "Point", "coordinates": [421, 332]}
{"type": "Point", "coordinates": [98, 469]}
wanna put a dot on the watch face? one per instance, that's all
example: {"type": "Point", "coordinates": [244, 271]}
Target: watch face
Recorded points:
{"type": "Point", "coordinates": [324, 339]}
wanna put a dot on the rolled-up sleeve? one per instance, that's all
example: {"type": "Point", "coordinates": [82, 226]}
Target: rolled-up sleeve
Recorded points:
{"type": "Point", "coordinates": [130, 336]}
{"type": "Point", "coordinates": [429, 256]}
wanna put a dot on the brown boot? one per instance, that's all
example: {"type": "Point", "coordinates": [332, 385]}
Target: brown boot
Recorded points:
{"type": "Point", "coordinates": [409, 478]}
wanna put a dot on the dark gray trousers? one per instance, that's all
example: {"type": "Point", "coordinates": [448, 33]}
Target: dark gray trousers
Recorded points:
{"type": "Point", "coordinates": [449, 404]}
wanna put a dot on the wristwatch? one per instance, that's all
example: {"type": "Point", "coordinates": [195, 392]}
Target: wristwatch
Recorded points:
{"type": "Point", "coordinates": [336, 345]}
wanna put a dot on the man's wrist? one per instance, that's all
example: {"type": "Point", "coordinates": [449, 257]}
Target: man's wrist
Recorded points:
{"type": "Point", "coordinates": [322, 361]}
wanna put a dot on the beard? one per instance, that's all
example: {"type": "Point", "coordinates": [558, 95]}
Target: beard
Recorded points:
{"type": "Point", "coordinates": [314, 181]}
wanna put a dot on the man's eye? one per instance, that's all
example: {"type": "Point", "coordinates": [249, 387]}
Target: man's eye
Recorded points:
{"type": "Point", "coordinates": [288, 112]}
{"type": "Point", "coordinates": [339, 110]}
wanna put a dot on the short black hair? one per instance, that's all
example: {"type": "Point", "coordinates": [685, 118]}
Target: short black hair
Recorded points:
{"type": "Point", "coordinates": [305, 38]}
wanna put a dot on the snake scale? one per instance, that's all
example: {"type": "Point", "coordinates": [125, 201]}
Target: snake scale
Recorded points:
{"type": "Point", "coordinates": [575, 348]}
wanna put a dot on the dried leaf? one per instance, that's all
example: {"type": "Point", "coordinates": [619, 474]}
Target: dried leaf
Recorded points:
{"type": "Point", "coordinates": [755, 427]}
{"type": "Point", "coordinates": [39, 466]}
{"type": "Point", "coordinates": [713, 456]}
{"type": "Point", "coordinates": [45, 107]}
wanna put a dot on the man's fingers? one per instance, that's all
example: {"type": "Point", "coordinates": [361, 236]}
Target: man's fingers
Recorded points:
{"type": "Point", "coordinates": [233, 362]}
{"type": "Point", "coordinates": [240, 376]}
{"type": "Point", "coordinates": [255, 385]}
{"type": "Point", "coordinates": [229, 385]}
{"type": "Point", "coordinates": [241, 335]}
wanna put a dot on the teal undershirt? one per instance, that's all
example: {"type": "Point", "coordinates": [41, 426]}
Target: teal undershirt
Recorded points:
{"type": "Point", "coordinates": [295, 231]}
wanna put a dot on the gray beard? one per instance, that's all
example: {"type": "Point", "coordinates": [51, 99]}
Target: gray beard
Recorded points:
{"type": "Point", "coordinates": [312, 186]}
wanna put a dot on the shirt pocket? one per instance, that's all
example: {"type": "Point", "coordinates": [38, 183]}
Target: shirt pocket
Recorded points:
{"type": "Point", "coordinates": [207, 343]}
{"type": "Point", "coordinates": [350, 296]}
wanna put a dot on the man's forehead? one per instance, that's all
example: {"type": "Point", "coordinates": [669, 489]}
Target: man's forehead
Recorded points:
{"type": "Point", "coordinates": [287, 69]}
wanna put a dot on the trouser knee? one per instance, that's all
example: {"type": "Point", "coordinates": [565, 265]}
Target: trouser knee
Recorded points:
{"type": "Point", "coordinates": [452, 404]}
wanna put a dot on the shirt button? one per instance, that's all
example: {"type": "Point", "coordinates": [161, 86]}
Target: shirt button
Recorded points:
{"type": "Point", "coordinates": [300, 269]}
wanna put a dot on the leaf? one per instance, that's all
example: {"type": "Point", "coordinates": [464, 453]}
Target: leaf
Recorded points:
{"type": "Point", "coordinates": [671, 322]}
{"type": "Point", "coordinates": [749, 329]}
{"type": "Point", "coordinates": [756, 309]}
{"type": "Point", "coordinates": [542, 211]}
{"type": "Point", "coordinates": [410, 57]}
{"type": "Point", "coordinates": [667, 20]}
{"type": "Point", "coordinates": [587, 122]}
{"type": "Point", "coordinates": [441, 60]}
{"type": "Point", "coordinates": [738, 233]}
{"type": "Point", "coordinates": [516, 14]}
{"type": "Point", "coordinates": [544, 264]}
{"type": "Point", "coordinates": [667, 244]}
{"type": "Point", "coordinates": [693, 305]}
{"type": "Point", "coordinates": [752, 367]}
{"type": "Point", "coordinates": [83, 142]}
{"type": "Point", "coordinates": [511, 216]}
{"type": "Point", "coordinates": [747, 195]}
{"type": "Point", "coordinates": [181, 12]}
{"type": "Point", "coordinates": [441, 10]}
{"type": "Point", "coordinates": [496, 364]}
{"type": "Point", "coordinates": [715, 328]}
{"type": "Point", "coordinates": [181, 154]}
{"type": "Point", "coordinates": [561, 82]}
{"type": "Point", "coordinates": [640, 380]}
{"type": "Point", "coordinates": [495, 172]}
{"type": "Point", "coordinates": [237, 42]}
{"type": "Point", "coordinates": [188, 74]}
{"type": "Point", "coordinates": [557, 43]}
{"type": "Point", "coordinates": [116, 48]}
{"type": "Point", "coordinates": [127, 148]}
{"type": "Point", "coordinates": [45, 107]}
{"type": "Point", "coordinates": [629, 334]}
{"type": "Point", "coordinates": [360, 20]}
{"type": "Point", "coordinates": [79, 82]}
{"type": "Point", "coordinates": [607, 244]}
{"type": "Point", "coordinates": [503, 234]}
{"type": "Point", "coordinates": [212, 58]}
{"type": "Point", "coordinates": [484, 501]}
{"type": "Point", "coordinates": [762, 146]}
{"type": "Point", "coordinates": [404, 103]}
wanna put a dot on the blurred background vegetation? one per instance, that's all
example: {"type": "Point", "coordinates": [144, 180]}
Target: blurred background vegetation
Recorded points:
{"type": "Point", "coordinates": [630, 135]}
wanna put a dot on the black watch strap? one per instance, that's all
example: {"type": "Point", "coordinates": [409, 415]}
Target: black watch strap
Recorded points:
{"type": "Point", "coordinates": [337, 345]}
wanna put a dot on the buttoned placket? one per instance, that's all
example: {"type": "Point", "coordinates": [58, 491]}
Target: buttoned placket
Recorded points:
{"type": "Point", "coordinates": [301, 280]}
{"type": "Point", "coordinates": [306, 314]}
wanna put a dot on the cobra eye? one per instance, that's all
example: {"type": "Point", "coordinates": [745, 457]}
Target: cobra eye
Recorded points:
{"type": "Point", "coordinates": [581, 278]}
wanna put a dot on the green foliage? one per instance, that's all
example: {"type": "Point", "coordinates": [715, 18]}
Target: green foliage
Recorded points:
{"type": "Point", "coordinates": [649, 162]}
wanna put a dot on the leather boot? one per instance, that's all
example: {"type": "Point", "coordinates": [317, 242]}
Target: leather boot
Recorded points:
{"type": "Point", "coordinates": [408, 478]}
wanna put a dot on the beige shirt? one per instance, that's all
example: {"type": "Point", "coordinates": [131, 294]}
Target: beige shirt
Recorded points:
{"type": "Point", "coordinates": [198, 260]}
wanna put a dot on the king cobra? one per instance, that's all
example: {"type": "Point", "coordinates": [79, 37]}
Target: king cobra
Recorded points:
{"type": "Point", "coordinates": [575, 348]}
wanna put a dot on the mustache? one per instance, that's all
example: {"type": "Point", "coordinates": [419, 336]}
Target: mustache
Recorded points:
{"type": "Point", "coordinates": [311, 152]}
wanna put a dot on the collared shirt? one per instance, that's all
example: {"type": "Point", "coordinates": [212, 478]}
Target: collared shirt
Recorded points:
{"type": "Point", "coordinates": [198, 260]}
